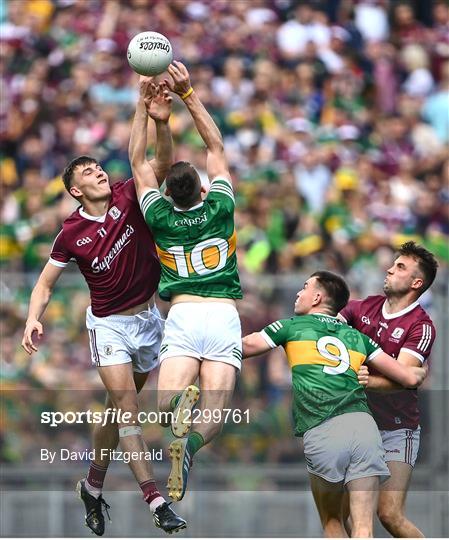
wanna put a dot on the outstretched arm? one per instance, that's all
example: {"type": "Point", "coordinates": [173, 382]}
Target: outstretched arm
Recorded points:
{"type": "Point", "coordinates": [159, 109]}
{"type": "Point", "coordinates": [254, 344]}
{"type": "Point", "coordinates": [216, 161]}
{"type": "Point", "coordinates": [38, 303]}
{"type": "Point", "coordinates": [154, 101]}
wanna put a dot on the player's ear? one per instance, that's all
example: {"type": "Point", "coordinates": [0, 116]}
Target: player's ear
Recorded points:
{"type": "Point", "coordinates": [75, 192]}
{"type": "Point", "coordinates": [417, 283]}
{"type": "Point", "coordinates": [317, 298]}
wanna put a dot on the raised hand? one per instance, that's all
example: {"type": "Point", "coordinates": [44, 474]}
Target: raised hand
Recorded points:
{"type": "Point", "coordinates": [180, 78]}
{"type": "Point", "coordinates": [144, 86]}
{"type": "Point", "coordinates": [158, 102]}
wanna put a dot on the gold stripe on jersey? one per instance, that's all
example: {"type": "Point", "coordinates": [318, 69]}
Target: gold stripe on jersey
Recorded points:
{"type": "Point", "coordinates": [301, 353]}
{"type": "Point", "coordinates": [167, 259]}
{"type": "Point", "coordinates": [232, 244]}
{"type": "Point", "coordinates": [210, 256]}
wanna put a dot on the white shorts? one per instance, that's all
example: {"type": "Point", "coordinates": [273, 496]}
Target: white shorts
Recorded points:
{"type": "Point", "coordinates": [401, 445]}
{"type": "Point", "coordinates": [345, 448]}
{"type": "Point", "coordinates": [119, 339]}
{"type": "Point", "coordinates": [205, 330]}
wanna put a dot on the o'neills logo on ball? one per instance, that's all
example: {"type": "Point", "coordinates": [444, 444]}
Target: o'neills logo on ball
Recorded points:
{"type": "Point", "coordinates": [154, 45]}
{"type": "Point", "coordinates": [105, 263]}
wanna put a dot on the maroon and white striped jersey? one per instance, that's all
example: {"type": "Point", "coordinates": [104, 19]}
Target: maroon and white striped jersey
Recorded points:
{"type": "Point", "coordinates": [115, 252]}
{"type": "Point", "coordinates": [410, 330]}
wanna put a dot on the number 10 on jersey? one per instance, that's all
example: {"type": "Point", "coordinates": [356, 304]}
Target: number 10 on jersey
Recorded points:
{"type": "Point", "coordinates": [206, 257]}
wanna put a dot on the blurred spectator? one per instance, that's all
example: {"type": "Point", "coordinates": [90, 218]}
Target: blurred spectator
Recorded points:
{"type": "Point", "coordinates": [419, 82]}
{"type": "Point", "coordinates": [436, 107]}
{"type": "Point", "coordinates": [406, 29]}
{"type": "Point", "coordinates": [371, 18]}
{"type": "Point", "coordinates": [313, 179]}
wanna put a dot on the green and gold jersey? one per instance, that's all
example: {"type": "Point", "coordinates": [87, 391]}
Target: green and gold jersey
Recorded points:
{"type": "Point", "coordinates": [325, 355]}
{"type": "Point", "coordinates": [196, 247]}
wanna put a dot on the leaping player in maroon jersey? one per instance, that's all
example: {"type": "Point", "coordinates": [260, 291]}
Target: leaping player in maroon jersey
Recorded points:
{"type": "Point", "coordinates": [405, 331]}
{"type": "Point", "coordinates": [114, 249]}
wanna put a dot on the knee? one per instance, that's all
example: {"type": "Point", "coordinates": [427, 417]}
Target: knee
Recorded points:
{"type": "Point", "coordinates": [332, 528]}
{"type": "Point", "coordinates": [389, 516]}
{"type": "Point", "coordinates": [126, 402]}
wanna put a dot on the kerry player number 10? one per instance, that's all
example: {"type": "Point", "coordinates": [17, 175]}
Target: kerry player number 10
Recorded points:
{"type": "Point", "coordinates": [203, 262]}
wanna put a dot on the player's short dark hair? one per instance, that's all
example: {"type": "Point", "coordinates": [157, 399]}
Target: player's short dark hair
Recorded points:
{"type": "Point", "coordinates": [427, 263]}
{"type": "Point", "coordinates": [336, 289]}
{"type": "Point", "coordinates": [67, 175]}
{"type": "Point", "coordinates": [184, 184]}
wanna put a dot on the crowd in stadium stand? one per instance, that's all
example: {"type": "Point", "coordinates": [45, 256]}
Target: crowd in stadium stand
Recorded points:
{"type": "Point", "coordinates": [335, 121]}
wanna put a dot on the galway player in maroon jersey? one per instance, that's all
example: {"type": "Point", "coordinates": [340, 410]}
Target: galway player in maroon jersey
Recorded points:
{"type": "Point", "coordinates": [114, 249]}
{"type": "Point", "coordinates": [405, 331]}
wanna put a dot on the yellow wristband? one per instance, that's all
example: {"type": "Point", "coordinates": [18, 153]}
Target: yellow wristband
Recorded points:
{"type": "Point", "coordinates": [187, 94]}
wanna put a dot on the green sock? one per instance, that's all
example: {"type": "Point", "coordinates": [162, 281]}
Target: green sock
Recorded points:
{"type": "Point", "coordinates": [194, 442]}
{"type": "Point", "coordinates": [174, 401]}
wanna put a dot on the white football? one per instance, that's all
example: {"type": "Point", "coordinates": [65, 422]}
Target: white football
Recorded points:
{"type": "Point", "coordinates": [149, 53]}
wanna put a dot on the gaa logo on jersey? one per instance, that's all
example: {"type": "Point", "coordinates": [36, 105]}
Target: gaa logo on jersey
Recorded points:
{"type": "Point", "coordinates": [83, 241]}
{"type": "Point", "coordinates": [397, 332]}
{"type": "Point", "coordinates": [114, 212]}
{"type": "Point", "coordinates": [108, 350]}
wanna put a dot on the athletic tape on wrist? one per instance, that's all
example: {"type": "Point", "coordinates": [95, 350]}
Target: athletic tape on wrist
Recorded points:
{"type": "Point", "coordinates": [127, 431]}
{"type": "Point", "coordinates": [187, 94]}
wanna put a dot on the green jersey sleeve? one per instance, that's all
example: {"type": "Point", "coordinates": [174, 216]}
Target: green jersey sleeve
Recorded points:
{"type": "Point", "coordinates": [276, 333]}
{"type": "Point", "coordinates": [372, 348]}
{"type": "Point", "coordinates": [221, 191]}
{"type": "Point", "coordinates": [154, 207]}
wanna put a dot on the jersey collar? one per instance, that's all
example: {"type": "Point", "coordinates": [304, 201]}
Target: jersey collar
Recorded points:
{"type": "Point", "coordinates": [409, 308]}
{"type": "Point", "coordinates": [199, 205]}
{"type": "Point", "coordinates": [85, 215]}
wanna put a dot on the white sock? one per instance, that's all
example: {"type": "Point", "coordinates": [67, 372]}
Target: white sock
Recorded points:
{"type": "Point", "coordinates": [95, 492]}
{"type": "Point", "coordinates": [155, 503]}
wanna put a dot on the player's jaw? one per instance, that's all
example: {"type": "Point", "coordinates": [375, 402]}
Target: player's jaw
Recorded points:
{"type": "Point", "coordinates": [397, 285]}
